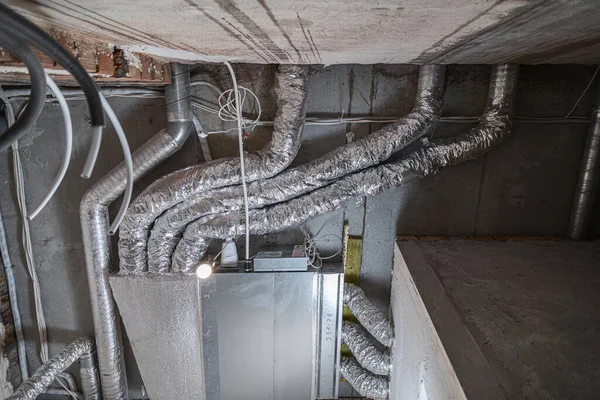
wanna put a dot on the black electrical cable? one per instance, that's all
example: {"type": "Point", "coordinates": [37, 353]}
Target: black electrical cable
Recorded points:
{"type": "Point", "coordinates": [14, 25]}
{"type": "Point", "coordinates": [38, 92]}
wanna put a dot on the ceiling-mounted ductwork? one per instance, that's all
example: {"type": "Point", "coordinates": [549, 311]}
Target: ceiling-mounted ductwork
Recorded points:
{"type": "Point", "coordinates": [182, 185]}
{"type": "Point", "coordinates": [494, 126]}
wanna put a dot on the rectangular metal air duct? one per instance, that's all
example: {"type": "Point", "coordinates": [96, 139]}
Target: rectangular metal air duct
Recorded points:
{"type": "Point", "coordinates": [253, 336]}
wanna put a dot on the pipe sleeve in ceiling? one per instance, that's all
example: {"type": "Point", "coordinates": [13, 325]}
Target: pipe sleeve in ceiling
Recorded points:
{"type": "Point", "coordinates": [494, 126]}
{"type": "Point", "coordinates": [181, 185]}
{"type": "Point", "coordinates": [96, 242]}
{"type": "Point", "coordinates": [352, 157]}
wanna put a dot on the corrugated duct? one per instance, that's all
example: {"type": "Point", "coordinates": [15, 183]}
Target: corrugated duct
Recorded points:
{"type": "Point", "coordinates": [94, 226]}
{"type": "Point", "coordinates": [179, 186]}
{"type": "Point", "coordinates": [366, 353]}
{"type": "Point", "coordinates": [366, 383]}
{"type": "Point", "coordinates": [352, 157]}
{"type": "Point", "coordinates": [494, 126]}
{"type": "Point", "coordinates": [47, 373]}
{"type": "Point", "coordinates": [369, 316]}
{"type": "Point", "coordinates": [589, 179]}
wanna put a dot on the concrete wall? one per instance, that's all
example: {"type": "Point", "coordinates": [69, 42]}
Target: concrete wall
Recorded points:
{"type": "Point", "coordinates": [420, 366]}
{"type": "Point", "coordinates": [524, 187]}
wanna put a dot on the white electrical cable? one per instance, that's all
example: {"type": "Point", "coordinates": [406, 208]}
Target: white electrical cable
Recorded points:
{"type": "Point", "coordinates": [93, 152]}
{"type": "Point", "coordinates": [128, 165]}
{"type": "Point", "coordinates": [311, 252]}
{"type": "Point", "coordinates": [10, 278]}
{"type": "Point", "coordinates": [238, 112]}
{"type": "Point", "coordinates": [68, 146]}
{"type": "Point", "coordinates": [30, 261]}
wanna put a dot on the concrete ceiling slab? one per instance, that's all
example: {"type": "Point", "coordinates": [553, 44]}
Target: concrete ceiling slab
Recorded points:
{"type": "Point", "coordinates": [337, 31]}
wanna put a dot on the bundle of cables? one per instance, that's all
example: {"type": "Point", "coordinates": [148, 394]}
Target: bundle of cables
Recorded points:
{"type": "Point", "coordinates": [18, 36]}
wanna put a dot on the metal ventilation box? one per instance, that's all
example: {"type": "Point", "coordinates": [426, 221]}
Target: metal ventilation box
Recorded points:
{"type": "Point", "coordinates": [251, 336]}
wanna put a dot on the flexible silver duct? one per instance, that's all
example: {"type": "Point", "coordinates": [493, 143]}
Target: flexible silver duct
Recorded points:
{"type": "Point", "coordinates": [352, 157]}
{"type": "Point", "coordinates": [47, 373]}
{"type": "Point", "coordinates": [366, 383]}
{"type": "Point", "coordinates": [94, 226]}
{"type": "Point", "coordinates": [494, 126]}
{"type": "Point", "coordinates": [589, 179]}
{"type": "Point", "coordinates": [369, 316]}
{"type": "Point", "coordinates": [90, 380]}
{"type": "Point", "coordinates": [189, 182]}
{"type": "Point", "coordinates": [366, 353]}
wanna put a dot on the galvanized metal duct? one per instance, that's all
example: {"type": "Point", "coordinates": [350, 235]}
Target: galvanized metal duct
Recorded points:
{"type": "Point", "coordinates": [589, 179]}
{"type": "Point", "coordinates": [494, 126]}
{"type": "Point", "coordinates": [47, 373]}
{"type": "Point", "coordinates": [366, 353]}
{"type": "Point", "coordinates": [182, 185]}
{"type": "Point", "coordinates": [352, 157]}
{"type": "Point", "coordinates": [94, 226]}
{"type": "Point", "coordinates": [364, 382]}
{"type": "Point", "coordinates": [368, 315]}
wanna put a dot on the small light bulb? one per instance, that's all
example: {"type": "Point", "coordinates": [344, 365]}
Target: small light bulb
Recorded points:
{"type": "Point", "coordinates": [204, 271]}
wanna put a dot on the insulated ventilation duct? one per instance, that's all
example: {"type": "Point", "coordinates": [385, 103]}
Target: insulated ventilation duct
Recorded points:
{"type": "Point", "coordinates": [83, 349]}
{"type": "Point", "coordinates": [368, 371]}
{"type": "Point", "coordinates": [494, 126]}
{"type": "Point", "coordinates": [94, 226]}
{"type": "Point", "coordinates": [315, 174]}
{"type": "Point", "coordinates": [589, 179]}
{"type": "Point", "coordinates": [182, 185]}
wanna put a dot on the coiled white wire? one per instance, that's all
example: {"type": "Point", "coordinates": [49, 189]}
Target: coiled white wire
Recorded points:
{"type": "Point", "coordinates": [30, 260]}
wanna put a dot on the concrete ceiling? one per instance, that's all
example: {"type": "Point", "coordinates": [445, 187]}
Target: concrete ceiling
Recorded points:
{"type": "Point", "coordinates": [337, 31]}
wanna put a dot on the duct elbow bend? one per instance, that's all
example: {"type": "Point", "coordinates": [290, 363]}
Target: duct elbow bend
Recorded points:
{"type": "Point", "coordinates": [179, 104]}
{"type": "Point", "coordinates": [179, 132]}
{"type": "Point", "coordinates": [90, 203]}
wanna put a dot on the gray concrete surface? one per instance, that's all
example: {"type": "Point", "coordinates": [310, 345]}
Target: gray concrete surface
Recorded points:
{"type": "Point", "coordinates": [337, 32]}
{"type": "Point", "coordinates": [522, 188]}
{"type": "Point", "coordinates": [531, 307]}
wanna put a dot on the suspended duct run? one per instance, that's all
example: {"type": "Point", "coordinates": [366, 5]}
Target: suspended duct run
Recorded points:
{"type": "Point", "coordinates": [82, 348]}
{"type": "Point", "coordinates": [494, 126]}
{"type": "Point", "coordinates": [94, 226]}
{"type": "Point", "coordinates": [352, 157]}
{"type": "Point", "coordinates": [181, 185]}
{"type": "Point", "coordinates": [589, 179]}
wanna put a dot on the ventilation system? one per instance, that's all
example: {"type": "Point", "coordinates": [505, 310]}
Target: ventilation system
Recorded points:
{"type": "Point", "coordinates": [222, 257]}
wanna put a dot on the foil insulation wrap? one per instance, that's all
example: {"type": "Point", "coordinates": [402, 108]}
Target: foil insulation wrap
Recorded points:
{"type": "Point", "coordinates": [187, 183]}
{"type": "Point", "coordinates": [47, 373]}
{"type": "Point", "coordinates": [96, 243]}
{"type": "Point", "coordinates": [90, 380]}
{"type": "Point", "coordinates": [366, 353]}
{"type": "Point", "coordinates": [494, 126]}
{"type": "Point", "coordinates": [366, 383]}
{"type": "Point", "coordinates": [369, 316]}
{"type": "Point", "coordinates": [352, 157]}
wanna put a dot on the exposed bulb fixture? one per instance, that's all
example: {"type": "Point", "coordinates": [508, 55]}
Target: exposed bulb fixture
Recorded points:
{"type": "Point", "coordinates": [204, 270]}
